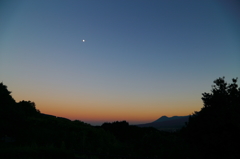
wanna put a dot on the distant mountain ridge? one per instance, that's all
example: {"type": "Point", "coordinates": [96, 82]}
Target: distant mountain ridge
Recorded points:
{"type": "Point", "coordinates": [167, 123]}
{"type": "Point", "coordinates": [165, 118]}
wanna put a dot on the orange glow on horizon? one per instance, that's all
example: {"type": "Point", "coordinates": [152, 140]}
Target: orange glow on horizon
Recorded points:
{"type": "Point", "coordinates": [109, 114]}
{"type": "Point", "coordinates": [108, 110]}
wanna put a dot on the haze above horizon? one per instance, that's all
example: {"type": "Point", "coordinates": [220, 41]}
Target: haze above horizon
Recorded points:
{"type": "Point", "coordinates": [139, 60]}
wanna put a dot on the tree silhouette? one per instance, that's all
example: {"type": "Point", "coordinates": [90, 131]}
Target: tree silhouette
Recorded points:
{"type": "Point", "coordinates": [215, 128]}
{"type": "Point", "coordinates": [5, 97]}
{"type": "Point", "coordinates": [6, 100]}
{"type": "Point", "coordinates": [7, 103]}
{"type": "Point", "coordinates": [28, 108]}
{"type": "Point", "coordinates": [9, 113]}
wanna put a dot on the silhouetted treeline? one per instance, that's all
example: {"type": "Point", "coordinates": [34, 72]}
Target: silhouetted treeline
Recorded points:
{"type": "Point", "coordinates": [147, 142]}
{"type": "Point", "coordinates": [212, 132]}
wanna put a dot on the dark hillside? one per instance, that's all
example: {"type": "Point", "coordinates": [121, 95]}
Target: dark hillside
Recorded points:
{"type": "Point", "coordinates": [213, 132]}
{"type": "Point", "coordinates": [27, 133]}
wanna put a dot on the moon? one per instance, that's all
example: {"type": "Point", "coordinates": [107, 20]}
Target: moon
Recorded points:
{"type": "Point", "coordinates": [83, 40]}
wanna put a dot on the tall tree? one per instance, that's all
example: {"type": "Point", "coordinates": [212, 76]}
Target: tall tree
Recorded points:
{"type": "Point", "coordinates": [214, 130]}
{"type": "Point", "coordinates": [7, 103]}
{"type": "Point", "coordinates": [5, 96]}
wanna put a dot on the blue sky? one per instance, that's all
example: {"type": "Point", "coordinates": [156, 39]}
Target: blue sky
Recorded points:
{"type": "Point", "coordinates": [141, 59]}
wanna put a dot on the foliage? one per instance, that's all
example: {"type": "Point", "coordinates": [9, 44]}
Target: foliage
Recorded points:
{"type": "Point", "coordinates": [7, 103]}
{"type": "Point", "coordinates": [212, 132]}
{"type": "Point", "coordinates": [48, 136]}
{"type": "Point", "coordinates": [28, 108]}
{"type": "Point", "coordinates": [215, 129]}
{"type": "Point", "coordinates": [5, 96]}
{"type": "Point", "coordinates": [34, 151]}
{"type": "Point", "coordinates": [146, 142]}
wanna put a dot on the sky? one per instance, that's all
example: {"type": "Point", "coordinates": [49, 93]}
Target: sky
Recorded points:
{"type": "Point", "coordinates": [141, 59]}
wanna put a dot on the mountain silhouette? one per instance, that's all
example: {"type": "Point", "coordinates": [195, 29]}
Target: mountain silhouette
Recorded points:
{"type": "Point", "coordinates": [165, 118]}
{"type": "Point", "coordinates": [167, 123]}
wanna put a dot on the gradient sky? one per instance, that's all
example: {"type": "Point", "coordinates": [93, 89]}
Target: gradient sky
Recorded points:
{"type": "Point", "coordinates": [141, 59]}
